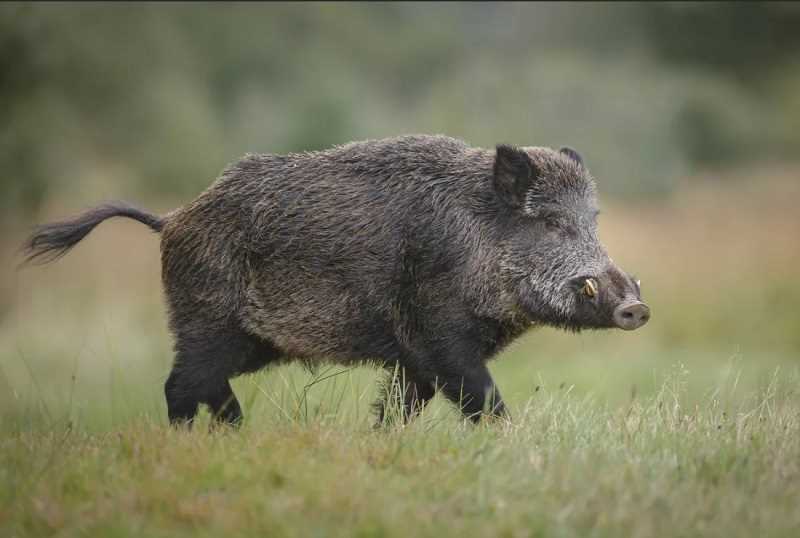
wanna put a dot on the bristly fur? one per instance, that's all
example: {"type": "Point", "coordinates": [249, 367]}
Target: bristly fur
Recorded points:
{"type": "Point", "coordinates": [50, 242]}
{"type": "Point", "coordinates": [419, 253]}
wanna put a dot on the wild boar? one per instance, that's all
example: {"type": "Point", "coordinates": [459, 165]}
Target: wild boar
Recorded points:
{"type": "Point", "coordinates": [417, 253]}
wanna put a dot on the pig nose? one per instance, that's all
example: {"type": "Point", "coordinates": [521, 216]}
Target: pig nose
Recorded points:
{"type": "Point", "coordinates": [630, 316]}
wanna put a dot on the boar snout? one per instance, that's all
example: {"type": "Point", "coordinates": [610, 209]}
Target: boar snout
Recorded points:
{"type": "Point", "coordinates": [631, 315]}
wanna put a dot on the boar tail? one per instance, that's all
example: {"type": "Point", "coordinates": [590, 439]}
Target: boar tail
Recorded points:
{"type": "Point", "coordinates": [50, 242]}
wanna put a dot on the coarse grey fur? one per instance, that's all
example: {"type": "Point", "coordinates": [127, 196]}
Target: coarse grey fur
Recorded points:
{"type": "Point", "coordinates": [417, 252]}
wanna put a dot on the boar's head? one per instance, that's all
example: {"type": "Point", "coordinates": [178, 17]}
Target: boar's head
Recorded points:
{"type": "Point", "coordinates": [552, 261]}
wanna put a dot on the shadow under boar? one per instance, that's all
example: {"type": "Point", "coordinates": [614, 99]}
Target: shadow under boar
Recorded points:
{"type": "Point", "coordinates": [419, 253]}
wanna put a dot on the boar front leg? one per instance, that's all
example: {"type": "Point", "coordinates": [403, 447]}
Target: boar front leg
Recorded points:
{"type": "Point", "coordinates": [474, 391]}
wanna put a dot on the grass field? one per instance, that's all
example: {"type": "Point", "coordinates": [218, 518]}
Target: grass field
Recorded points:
{"type": "Point", "coordinates": [688, 427]}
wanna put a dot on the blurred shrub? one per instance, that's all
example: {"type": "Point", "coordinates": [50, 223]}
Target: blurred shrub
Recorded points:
{"type": "Point", "coordinates": [744, 40]}
{"type": "Point", "coordinates": [150, 100]}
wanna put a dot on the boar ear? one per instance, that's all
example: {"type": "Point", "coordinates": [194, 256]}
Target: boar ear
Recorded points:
{"type": "Point", "coordinates": [572, 154]}
{"type": "Point", "coordinates": [514, 171]}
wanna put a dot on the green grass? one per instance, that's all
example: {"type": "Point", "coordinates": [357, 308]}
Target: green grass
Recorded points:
{"type": "Point", "coordinates": [308, 462]}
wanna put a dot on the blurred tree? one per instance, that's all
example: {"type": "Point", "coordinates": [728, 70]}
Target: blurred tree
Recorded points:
{"type": "Point", "coordinates": [158, 98]}
{"type": "Point", "coordinates": [20, 74]}
{"type": "Point", "coordinates": [750, 43]}
{"type": "Point", "coordinates": [745, 40]}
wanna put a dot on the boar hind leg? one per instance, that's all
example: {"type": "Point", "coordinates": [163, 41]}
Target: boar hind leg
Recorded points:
{"type": "Point", "coordinates": [224, 406]}
{"type": "Point", "coordinates": [182, 401]}
{"type": "Point", "coordinates": [403, 397]}
{"type": "Point", "coordinates": [204, 362]}
{"type": "Point", "coordinates": [187, 387]}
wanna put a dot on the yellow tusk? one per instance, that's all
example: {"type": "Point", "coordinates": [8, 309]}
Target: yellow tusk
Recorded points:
{"type": "Point", "coordinates": [590, 288]}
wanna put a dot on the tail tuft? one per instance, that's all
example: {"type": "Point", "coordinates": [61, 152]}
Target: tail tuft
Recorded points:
{"type": "Point", "coordinates": [50, 242]}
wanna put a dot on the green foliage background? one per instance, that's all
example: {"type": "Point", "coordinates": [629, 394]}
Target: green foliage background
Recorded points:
{"type": "Point", "coordinates": [158, 98]}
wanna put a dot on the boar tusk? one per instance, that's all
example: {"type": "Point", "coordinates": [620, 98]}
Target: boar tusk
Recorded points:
{"type": "Point", "coordinates": [590, 288]}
